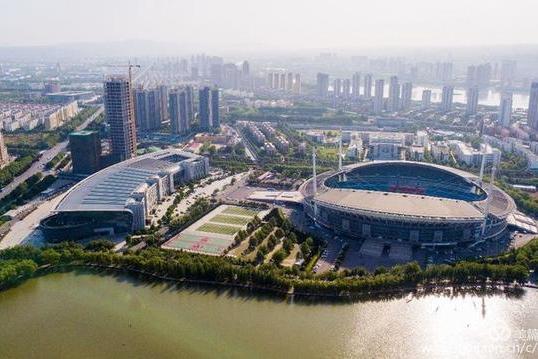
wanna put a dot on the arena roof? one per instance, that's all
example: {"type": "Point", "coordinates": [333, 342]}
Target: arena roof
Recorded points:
{"type": "Point", "coordinates": [405, 205]}
{"type": "Point", "coordinates": [111, 188]}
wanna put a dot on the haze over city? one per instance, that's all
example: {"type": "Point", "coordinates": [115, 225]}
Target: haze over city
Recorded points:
{"type": "Point", "coordinates": [268, 179]}
{"type": "Point", "coordinates": [243, 25]}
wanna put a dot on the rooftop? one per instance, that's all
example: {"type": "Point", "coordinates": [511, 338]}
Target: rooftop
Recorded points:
{"type": "Point", "coordinates": [111, 188]}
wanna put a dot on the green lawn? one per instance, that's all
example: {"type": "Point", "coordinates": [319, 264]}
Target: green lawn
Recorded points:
{"type": "Point", "coordinates": [240, 211]}
{"type": "Point", "coordinates": [234, 220]}
{"type": "Point", "coordinates": [218, 228]}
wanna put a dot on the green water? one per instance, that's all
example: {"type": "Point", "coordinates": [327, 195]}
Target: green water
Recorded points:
{"type": "Point", "coordinates": [74, 315]}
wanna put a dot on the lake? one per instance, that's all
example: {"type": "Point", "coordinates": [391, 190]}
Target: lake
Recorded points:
{"type": "Point", "coordinates": [89, 315]}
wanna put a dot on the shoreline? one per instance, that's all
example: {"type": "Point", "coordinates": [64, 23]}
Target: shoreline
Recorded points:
{"type": "Point", "coordinates": [400, 292]}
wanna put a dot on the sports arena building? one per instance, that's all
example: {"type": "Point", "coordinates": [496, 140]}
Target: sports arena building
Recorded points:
{"type": "Point", "coordinates": [119, 198]}
{"type": "Point", "coordinates": [414, 202]}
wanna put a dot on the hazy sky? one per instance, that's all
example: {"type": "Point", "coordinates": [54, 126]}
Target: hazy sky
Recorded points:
{"type": "Point", "coordinates": [267, 24]}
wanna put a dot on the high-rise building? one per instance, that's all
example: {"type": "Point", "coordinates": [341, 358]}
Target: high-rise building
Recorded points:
{"type": "Point", "coordinates": [178, 111]}
{"type": "Point", "coordinates": [283, 81]}
{"type": "Point", "coordinates": [245, 69]}
{"type": "Point", "coordinates": [443, 71]}
{"type": "Point", "coordinates": [297, 84]}
{"type": "Point", "coordinates": [148, 109]}
{"type": "Point", "coordinates": [394, 94]}
{"type": "Point", "coordinates": [270, 80]}
{"type": "Point", "coordinates": [472, 101]}
{"type": "Point", "coordinates": [532, 115]}
{"type": "Point", "coordinates": [289, 81]}
{"type": "Point", "coordinates": [163, 94]}
{"type": "Point", "coordinates": [356, 84]}
{"type": "Point", "coordinates": [337, 87]}
{"type": "Point", "coordinates": [346, 88]}
{"type": "Point", "coordinates": [407, 93]}
{"type": "Point", "coordinates": [189, 93]}
{"type": "Point", "coordinates": [447, 98]}
{"type": "Point", "coordinates": [479, 75]}
{"type": "Point", "coordinates": [322, 84]}
{"type": "Point", "coordinates": [215, 116]}
{"type": "Point", "coordinates": [205, 108]}
{"type": "Point", "coordinates": [378, 99]}
{"type": "Point", "coordinates": [508, 73]}
{"type": "Point", "coordinates": [85, 149]}
{"type": "Point", "coordinates": [276, 81]}
{"type": "Point", "coordinates": [368, 86]}
{"type": "Point", "coordinates": [119, 109]}
{"type": "Point", "coordinates": [505, 109]}
{"type": "Point", "coordinates": [426, 99]}
{"type": "Point", "coordinates": [4, 156]}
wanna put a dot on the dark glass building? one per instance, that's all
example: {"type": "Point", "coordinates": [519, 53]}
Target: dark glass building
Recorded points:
{"type": "Point", "coordinates": [85, 152]}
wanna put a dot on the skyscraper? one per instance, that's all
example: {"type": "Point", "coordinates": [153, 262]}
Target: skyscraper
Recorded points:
{"type": "Point", "coordinates": [356, 84]}
{"type": "Point", "coordinates": [426, 98]}
{"type": "Point", "coordinates": [148, 109]}
{"type": "Point", "coordinates": [163, 94]}
{"type": "Point", "coordinates": [178, 111]}
{"type": "Point", "coordinates": [119, 109]}
{"type": "Point", "coordinates": [85, 149]}
{"type": "Point", "coordinates": [215, 116]}
{"type": "Point", "coordinates": [407, 93]}
{"type": "Point", "coordinates": [289, 81]}
{"type": "Point", "coordinates": [532, 115]}
{"type": "Point", "coordinates": [205, 109]}
{"type": "Point", "coordinates": [283, 81]}
{"type": "Point", "coordinates": [508, 73]}
{"type": "Point", "coordinates": [472, 101]}
{"type": "Point", "coordinates": [378, 100]}
{"type": "Point", "coordinates": [346, 88]}
{"type": "Point", "coordinates": [368, 86]}
{"type": "Point", "coordinates": [394, 94]}
{"type": "Point", "coordinates": [447, 98]}
{"type": "Point", "coordinates": [297, 84]}
{"type": "Point", "coordinates": [189, 93]}
{"type": "Point", "coordinates": [337, 88]}
{"type": "Point", "coordinates": [505, 109]}
{"type": "Point", "coordinates": [322, 84]}
{"type": "Point", "coordinates": [4, 156]}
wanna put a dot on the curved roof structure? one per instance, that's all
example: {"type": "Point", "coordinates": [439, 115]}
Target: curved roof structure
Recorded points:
{"type": "Point", "coordinates": [112, 188]}
{"type": "Point", "coordinates": [387, 200]}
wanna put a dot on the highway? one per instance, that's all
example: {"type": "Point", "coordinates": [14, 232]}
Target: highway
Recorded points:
{"type": "Point", "coordinates": [39, 165]}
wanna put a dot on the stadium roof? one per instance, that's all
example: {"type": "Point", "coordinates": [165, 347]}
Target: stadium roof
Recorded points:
{"type": "Point", "coordinates": [404, 205]}
{"type": "Point", "coordinates": [111, 188]}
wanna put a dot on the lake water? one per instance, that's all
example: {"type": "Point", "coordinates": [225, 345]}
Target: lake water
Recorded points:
{"type": "Point", "coordinates": [90, 315]}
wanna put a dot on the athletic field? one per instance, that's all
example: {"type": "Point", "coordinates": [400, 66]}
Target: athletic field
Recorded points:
{"type": "Point", "coordinates": [214, 232]}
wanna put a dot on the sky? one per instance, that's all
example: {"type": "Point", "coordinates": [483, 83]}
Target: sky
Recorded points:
{"type": "Point", "coordinates": [271, 24]}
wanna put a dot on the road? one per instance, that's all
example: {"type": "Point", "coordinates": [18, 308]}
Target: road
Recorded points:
{"type": "Point", "coordinates": [39, 165]}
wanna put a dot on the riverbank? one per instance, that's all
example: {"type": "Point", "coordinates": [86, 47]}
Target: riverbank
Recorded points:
{"type": "Point", "coordinates": [506, 274]}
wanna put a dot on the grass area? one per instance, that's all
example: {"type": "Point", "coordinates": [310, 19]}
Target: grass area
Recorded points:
{"type": "Point", "coordinates": [290, 260]}
{"type": "Point", "coordinates": [240, 211]}
{"type": "Point", "coordinates": [269, 255]}
{"type": "Point", "coordinates": [218, 228]}
{"type": "Point", "coordinates": [233, 220]}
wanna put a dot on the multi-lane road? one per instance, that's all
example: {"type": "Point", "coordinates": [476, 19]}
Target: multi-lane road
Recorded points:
{"type": "Point", "coordinates": [39, 165]}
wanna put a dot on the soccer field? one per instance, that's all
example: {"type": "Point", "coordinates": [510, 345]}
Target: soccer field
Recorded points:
{"type": "Point", "coordinates": [214, 232]}
{"type": "Point", "coordinates": [218, 228]}
{"type": "Point", "coordinates": [232, 220]}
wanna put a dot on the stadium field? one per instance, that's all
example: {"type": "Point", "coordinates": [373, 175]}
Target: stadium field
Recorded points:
{"type": "Point", "coordinates": [233, 220]}
{"type": "Point", "coordinates": [240, 211]}
{"type": "Point", "coordinates": [218, 228]}
{"type": "Point", "coordinates": [198, 243]}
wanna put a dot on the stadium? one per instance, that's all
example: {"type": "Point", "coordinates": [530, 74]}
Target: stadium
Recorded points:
{"type": "Point", "coordinates": [414, 202]}
{"type": "Point", "coordinates": [119, 199]}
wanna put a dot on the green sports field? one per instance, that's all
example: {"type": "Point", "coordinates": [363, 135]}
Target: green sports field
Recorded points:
{"type": "Point", "coordinates": [218, 228]}
{"type": "Point", "coordinates": [240, 211]}
{"type": "Point", "coordinates": [232, 220]}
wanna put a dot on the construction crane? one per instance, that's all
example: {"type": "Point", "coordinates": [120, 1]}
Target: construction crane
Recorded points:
{"type": "Point", "coordinates": [130, 66]}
